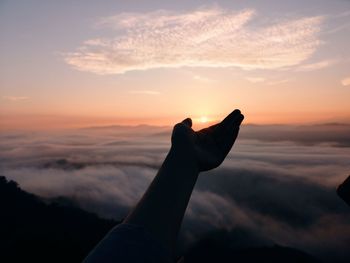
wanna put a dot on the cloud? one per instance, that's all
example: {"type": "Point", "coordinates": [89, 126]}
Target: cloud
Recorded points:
{"type": "Point", "coordinates": [211, 37]}
{"type": "Point", "coordinates": [316, 66]}
{"type": "Point", "coordinates": [203, 79]}
{"type": "Point", "coordinates": [145, 92]}
{"type": "Point", "coordinates": [278, 183]}
{"type": "Point", "coordinates": [272, 82]}
{"type": "Point", "coordinates": [255, 79]}
{"type": "Point", "coordinates": [215, 209]}
{"type": "Point", "coordinates": [278, 82]}
{"type": "Point", "coordinates": [331, 133]}
{"type": "Point", "coordinates": [346, 82]}
{"type": "Point", "coordinates": [272, 193]}
{"type": "Point", "coordinates": [343, 14]}
{"type": "Point", "coordinates": [15, 98]}
{"type": "Point", "coordinates": [339, 23]}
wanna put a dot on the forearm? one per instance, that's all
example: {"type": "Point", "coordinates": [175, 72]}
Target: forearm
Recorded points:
{"type": "Point", "coordinates": [162, 207]}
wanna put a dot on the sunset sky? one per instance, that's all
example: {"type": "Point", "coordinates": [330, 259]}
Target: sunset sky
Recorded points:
{"type": "Point", "coordinates": [78, 79]}
{"type": "Point", "coordinates": [80, 63]}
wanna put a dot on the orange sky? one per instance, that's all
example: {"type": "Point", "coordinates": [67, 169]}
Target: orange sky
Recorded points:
{"type": "Point", "coordinates": [278, 63]}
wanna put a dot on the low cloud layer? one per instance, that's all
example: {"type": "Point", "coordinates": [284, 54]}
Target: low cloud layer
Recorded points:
{"type": "Point", "coordinates": [282, 191]}
{"type": "Point", "coordinates": [202, 38]}
{"type": "Point", "coordinates": [332, 133]}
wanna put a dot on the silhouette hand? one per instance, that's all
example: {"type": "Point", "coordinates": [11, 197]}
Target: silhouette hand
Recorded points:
{"type": "Point", "coordinates": [207, 147]}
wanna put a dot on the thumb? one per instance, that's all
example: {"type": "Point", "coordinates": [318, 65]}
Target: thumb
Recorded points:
{"type": "Point", "coordinates": [187, 122]}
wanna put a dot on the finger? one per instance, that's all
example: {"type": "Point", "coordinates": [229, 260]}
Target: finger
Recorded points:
{"type": "Point", "coordinates": [240, 119]}
{"type": "Point", "coordinates": [187, 122]}
{"type": "Point", "coordinates": [231, 120]}
{"type": "Point", "coordinates": [230, 139]}
{"type": "Point", "coordinates": [230, 129]}
{"type": "Point", "coordinates": [229, 135]}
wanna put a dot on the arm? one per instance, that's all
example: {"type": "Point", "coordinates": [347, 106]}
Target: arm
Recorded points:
{"type": "Point", "coordinates": [162, 208]}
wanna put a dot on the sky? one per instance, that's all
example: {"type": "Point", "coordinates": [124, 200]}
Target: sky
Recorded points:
{"type": "Point", "coordinates": [69, 67]}
{"type": "Point", "coordinates": [83, 63]}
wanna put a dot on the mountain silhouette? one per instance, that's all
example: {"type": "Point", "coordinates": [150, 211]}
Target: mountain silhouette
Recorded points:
{"type": "Point", "coordinates": [33, 231]}
{"type": "Point", "coordinates": [241, 246]}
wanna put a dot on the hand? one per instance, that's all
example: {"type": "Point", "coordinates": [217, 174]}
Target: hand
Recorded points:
{"type": "Point", "coordinates": [208, 147]}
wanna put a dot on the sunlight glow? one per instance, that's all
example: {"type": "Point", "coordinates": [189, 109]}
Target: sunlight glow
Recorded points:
{"type": "Point", "coordinates": [203, 119]}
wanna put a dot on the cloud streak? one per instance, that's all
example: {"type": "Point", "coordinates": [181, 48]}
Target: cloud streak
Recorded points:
{"type": "Point", "coordinates": [145, 92]}
{"type": "Point", "coordinates": [255, 79]}
{"type": "Point", "coordinates": [203, 79]}
{"type": "Point", "coordinates": [15, 98]}
{"type": "Point", "coordinates": [202, 38]}
{"type": "Point", "coordinates": [316, 66]}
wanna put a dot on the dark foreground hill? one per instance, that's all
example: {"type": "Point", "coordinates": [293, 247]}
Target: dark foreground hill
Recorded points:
{"type": "Point", "coordinates": [225, 247]}
{"type": "Point", "coordinates": [33, 231]}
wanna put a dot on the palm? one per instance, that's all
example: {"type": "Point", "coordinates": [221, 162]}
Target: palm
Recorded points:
{"type": "Point", "coordinates": [210, 145]}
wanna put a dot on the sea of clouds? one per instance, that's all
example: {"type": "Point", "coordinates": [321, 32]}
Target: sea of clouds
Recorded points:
{"type": "Point", "coordinates": [278, 184]}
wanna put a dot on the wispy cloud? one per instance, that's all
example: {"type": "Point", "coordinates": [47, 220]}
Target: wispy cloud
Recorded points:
{"type": "Point", "coordinates": [278, 82]}
{"type": "Point", "coordinates": [202, 38]}
{"type": "Point", "coordinates": [346, 82]}
{"type": "Point", "coordinates": [15, 98]}
{"type": "Point", "coordinates": [341, 27]}
{"type": "Point", "coordinates": [145, 92]}
{"type": "Point", "coordinates": [271, 82]}
{"type": "Point", "coordinates": [255, 79]}
{"type": "Point", "coordinates": [343, 14]}
{"type": "Point", "coordinates": [203, 79]}
{"type": "Point", "coordinates": [318, 65]}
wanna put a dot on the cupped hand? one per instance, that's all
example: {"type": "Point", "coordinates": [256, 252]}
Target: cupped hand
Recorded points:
{"type": "Point", "coordinates": [207, 147]}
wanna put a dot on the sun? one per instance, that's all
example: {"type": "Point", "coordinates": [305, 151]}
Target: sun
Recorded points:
{"type": "Point", "coordinates": [203, 119]}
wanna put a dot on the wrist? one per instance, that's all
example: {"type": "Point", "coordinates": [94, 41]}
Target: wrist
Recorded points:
{"type": "Point", "coordinates": [183, 158]}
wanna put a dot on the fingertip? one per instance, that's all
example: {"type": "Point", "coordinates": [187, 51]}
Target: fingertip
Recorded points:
{"type": "Point", "coordinates": [232, 115]}
{"type": "Point", "coordinates": [236, 111]}
{"type": "Point", "coordinates": [241, 119]}
{"type": "Point", "coordinates": [187, 122]}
